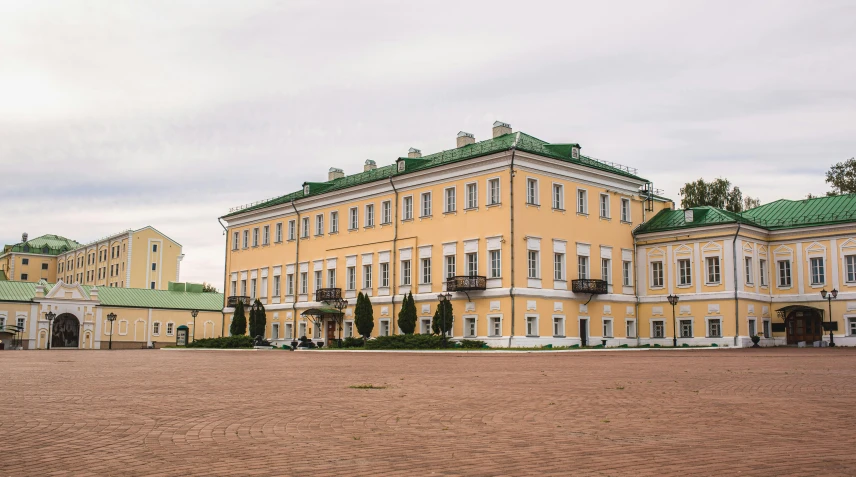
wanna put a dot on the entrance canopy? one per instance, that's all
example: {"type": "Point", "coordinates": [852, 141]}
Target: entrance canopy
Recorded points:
{"type": "Point", "coordinates": [322, 312]}
{"type": "Point", "coordinates": [789, 310]}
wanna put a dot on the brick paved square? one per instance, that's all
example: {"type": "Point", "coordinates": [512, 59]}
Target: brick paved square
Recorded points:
{"type": "Point", "coordinates": [771, 411]}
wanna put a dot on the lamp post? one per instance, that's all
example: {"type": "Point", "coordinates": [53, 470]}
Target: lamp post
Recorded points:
{"type": "Point", "coordinates": [443, 297]}
{"type": "Point", "coordinates": [111, 317]}
{"type": "Point", "coordinates": [829, 296]}
{"type": "Point", "coordinates": [193, 314]}
{"type": "Point", "coordinates": [50, 317]}
{"type": "Point", "coordinates": [673, 300]}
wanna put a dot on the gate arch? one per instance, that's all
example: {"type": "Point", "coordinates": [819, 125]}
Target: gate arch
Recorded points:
{"type": "Point", "coordinates": [66, 332]}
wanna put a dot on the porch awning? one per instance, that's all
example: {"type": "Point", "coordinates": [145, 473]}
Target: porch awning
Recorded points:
{"type": "Point", "coordinates": [322, 311]}
{"type": "Point", "coordinates": [786, 311]}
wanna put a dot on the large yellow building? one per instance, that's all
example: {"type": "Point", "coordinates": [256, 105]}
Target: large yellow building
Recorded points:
{"type": "Point", "coordinates": [532, 239]}
{"type": "Point", "coordinates": [142, 258]}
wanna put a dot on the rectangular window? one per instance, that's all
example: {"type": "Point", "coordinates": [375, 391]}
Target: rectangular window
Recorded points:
{"type": "Point", "coordinates": [319, 284]}
{"type": "Point", "coordinates": [353, 218]}
{"type": "Point", "coordinates": [289, 284]}
{"type": "Point", "coordinates": [386, 212]}
{"type": "Point", "coordinates": [852, 326]}
{"type": "Point", "coordinates": [627, 273]}
{"type": "Point", "coordinates": [531, 326]}
{"type": "Point", "coordinates": [246, 239]}
{"type": "Point", "coordinates": [658, 329]}
{"type": "Point", "coordinates": [472, 196]}
{"type": "Point", "coordinates": [469, 327]}
{"type": "Point", "coordinates": [784, 273]}
{"type": "Point", "coordinates": [266, 235]}
{"type": "Point", "coordinates": [426, 204]}
{"type": "Point", "coordinates": [558, 196]}
{"type": "Point", "coordinates": [631, 328]}
{"type": "Point", "coordinates": [604, 206]}
{"type": "Point", "coordinates": [426, 270]}
{"type": "Point", "coordinates": [712, 270]}
{"type": "Point", "coordinates": [319, 224]}
{"type": "Point", "coordinates": [276, 285]}
{"type": "Point", "coordinates": [274, 331]}
{"type": "Point", "coordinates": [253, 288]}
{"type": "Point", "coordinates": [583, 267]}
{"type": "Point", "coordinates": [685, 272]}
{"type": "Point", "coordinates": [289, 329]}
{"type": "Point", "coordinates": [747, 265]}
{"type": "Point", "coordinates": [331, 278]}
{"type": "Point", "coordinates": [558, 266]}
{"type": "Point", "coordinates": [407, 208]}
{"type": "Point", "coordinates": [714, 328]}
{"type": "Point", "coordinates": [686, 328]}
{"type": "Point", "coordinates": [405, 272]}
{"type": "Point", "coordinates": [762, 271]}
{"type": "Point", "coordinates": [533, 264]}
{"type": "Point", "coordinates": [472, 260]}
{"type": "Point", "coordinates": [370, 215]}
{"type": "Point", "coordinates": [169, 328]}
{"type": "Point", "coordinates": [384, 328]}
{"type": "Point", "coordinates": [493, 196]}
{"type": "Point", "coordinates": [607, 328]}
{"type": "Point", "coordinates": [334, 222]}
{"type": "Point", "coordinates": [582, 201]}
{"type": "Point", "coordinates": [304, 227]}
{"type": "Point", "coordinates": [449, 204]}
{"type": "Point", "coordinates": [532, 191]}
{"type": "Point", "coordinates": [255, 237]}
{"type": "Point", "coordinates": [153, 285]}
{"type": "Point", "coordinates": [367, 276]}
{"type": "Point", "coordinates": [154, 266]}
{"type": "Point", "coordinates": [495, 263]}
{"type": "Point", "coordinates": [450, 266]}
{"type": "Point", "coordinates": [235, 240]}
{"type": "Point", "coordinates": [291, 230]}
{"type": "Point", "coordinates": [302, 330]}
{"type": "Point", "coordinates": [384, 275]}
{"type": "Point", "coordinates": [558, 326]}
{"type": "Point", "coordinates": [352, 278]}
{"type": "Point", "coordinates": [495, 326]}
{"type": "Point", "coordinates": [657, 274]}
{"type": "Point", "coordinates": [850, 265]}
{"type": "Point", "coordinates": [817, 273]}
{"type": "Point", "coordinates": [304, 283]}
{"type": "Point", "coordinates": [625, 210]}
{"type": "Point", "coordinates": [606, 270]}
{"type": "Point", "coordinates": [349, 329]}
{"type": "Point", "coordinates": [752, 330]}
{"type": "Point", "coordinates": [278, 232]}
{"type": "Point", "coordinates": [154, 248]}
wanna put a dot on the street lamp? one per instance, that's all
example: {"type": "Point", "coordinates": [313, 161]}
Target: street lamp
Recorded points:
{"type": "Point", "coordinates": [829, 296]}
{"type": "Point", "coordinates": [443, 297]}
{"type": "Point", "coordinates": [340, 304]}
{"type": "Point", "coordinates": [673, 300]}
{"type": "Point", "coordinates": [50, 317]}
{"type": "Point", "coordinates": [193, 314]}
{"type": "Point", "coordinates": [111, 317]}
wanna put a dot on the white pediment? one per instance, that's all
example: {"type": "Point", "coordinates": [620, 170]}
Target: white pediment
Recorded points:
{"type": "Point", "coordinates": [711, 247]}
{"type": "Point", "coordinates": [656, 252]}
{"type": "Point", "coordinates": [783, 250]}
{"type": "Point", "coordinates": [747, 248]}
{"type": "Point", "coordinates": [683, 249]}
{"type": "Point", "coordinates": [848, 244]}
{"type": "Point", "coordinates": [815, 248]}
{"type": "Point", "coordinates": [67, 291]}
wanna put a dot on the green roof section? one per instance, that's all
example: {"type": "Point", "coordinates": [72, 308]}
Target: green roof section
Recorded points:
{"type": "Point", "coordinates": [125, 297]}
{"type": "Point", "coordinates": [518, 140]}
{"type": "Point", "coordinates": [46, 245]}
{"type": "Point", "coordinates": [779, 215]}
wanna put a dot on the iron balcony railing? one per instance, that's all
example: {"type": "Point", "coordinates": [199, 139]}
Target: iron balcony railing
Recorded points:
{"type": "Point", "coordinates": [466, 283]}
{"type": "Point", "coordinates": [590, 286]}
{"type": "Point", "coordinates": [233, 300]}
{"type": "Point", "coordinates": [328, 294]}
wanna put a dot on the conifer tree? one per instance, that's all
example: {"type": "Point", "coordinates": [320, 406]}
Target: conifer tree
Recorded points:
{"type": "Point", "coordinates": [443, 318]}
{"type": "Point", "coordinates": [239, 321]}
{"type": "Point", "coordinates": [407, 315]}
{"type": "Point", "coordinates": [258, 319]}
{"type": "Point", "coordinates": [364, 316]}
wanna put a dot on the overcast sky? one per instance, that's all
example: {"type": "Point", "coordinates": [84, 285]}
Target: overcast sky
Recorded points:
{"type": "Point", "coordinates": [120, 114]}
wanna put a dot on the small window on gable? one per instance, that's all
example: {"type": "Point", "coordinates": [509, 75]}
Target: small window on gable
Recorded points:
{"type": "Point", "coordinates": [154, 247]}
{"type": "Point", "coordinates": [306, 189]}
{"type": "Point", "coordinates": [401, 165]}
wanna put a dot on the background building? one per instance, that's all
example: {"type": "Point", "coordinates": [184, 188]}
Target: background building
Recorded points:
{"type": "Point", "coordinates": [142, 258]}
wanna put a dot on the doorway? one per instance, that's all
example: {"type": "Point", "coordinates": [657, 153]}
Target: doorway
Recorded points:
{"type": "Point", "coordinates": [584, 332]}
{"type": "Point", "coordinates": [804, 326]}
{"type": "Point", "coordinates": [66, 332]}
{"type": "Point", "coordinates": [331, 331]}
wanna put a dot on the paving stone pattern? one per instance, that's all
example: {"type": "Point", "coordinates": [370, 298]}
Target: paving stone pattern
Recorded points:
{"type": "Point", "coordinates": [152, 412]}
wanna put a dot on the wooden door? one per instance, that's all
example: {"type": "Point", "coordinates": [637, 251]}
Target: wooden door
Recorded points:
{"type": "Point", "coordinates": [331, 332]}
{"type": "Point", "coordinates": [804, 327]}
{"type": "Point", "coordinates": [584, 332]}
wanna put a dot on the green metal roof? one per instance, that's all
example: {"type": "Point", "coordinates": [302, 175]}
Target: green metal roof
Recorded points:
{"type": "Point", "coordinates": [46, 245]}
{"type": "Point", "coordinates": [125, 297]}
{"type": "Point", "coordinates": [779, 215]}
{"type": "Point", "coordinates": [525, 143]}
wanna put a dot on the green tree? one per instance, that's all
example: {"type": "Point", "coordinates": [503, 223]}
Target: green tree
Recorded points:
{"type": "Point", "coordinates": [407, 315]}
{"type": "Point", "coordinates": [364, 316]}
{"type": "Point", "coordinates": [750, 202]}
{"type": "Point", "coordinates": [258, 319]}
{"type": "Point", "coordinates": [208, 288]}
{"type": "Point", "coordinates": [443, 318]}
{"type": "Point", "coordinates": [842, 176]}
{"type": "Point", "coordinates": [239, 321]}
{"type": "Point", "coordinates": [717, 193]}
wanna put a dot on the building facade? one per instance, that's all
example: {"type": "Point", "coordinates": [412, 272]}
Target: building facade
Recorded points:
{"type": "Point", "coordinates": [532, 240]}
{"type": "Point", "coordinates": [142, 258]}
{"type": "Point", "coordinates": [144, 318]}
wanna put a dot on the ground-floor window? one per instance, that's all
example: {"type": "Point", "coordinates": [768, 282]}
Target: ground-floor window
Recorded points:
{"type": "Point", "coordinates": [558, 326]}
{"type": "Point", "coordinates": [316, 334]}
{"type": "Point", "coordinates": [607, 328]}
{"type": "Point", "coordinates": [289, 331]}
{"type": "Point", "coordinates": [495, 326]}
{"type": "Point", "coordinates": [302, 330]}
{"type": "Point", "coordinates": [274, 331]}
{"type": "Point", "coordinates": [531, 326]}
{"type": "Point", "coordinates": [349, 329]}
{"type": "Point", "coordinates": [631, 328]}
{"type": "Point", "coordinates": [469, 327]}
{"type": "Point", "coordinates": [714, 328]}
{"type": "Point", "coordinates": [170, 327]}
{"type": "Point", "coordinates": [384, 327]}
{"type": "Point", "coordinates": [852, 326]}
{"type": "Point", "coordinates": [658, 329]}
{"type": "Point", "coordinates": [686, 328]}
{"type": "Point", "coordinates": [752, 329]}
{"type": "Point", "coordinates": [425, 326]}
{"type": "Point", "coordinates": [766, 328]}
{"type": "Point", "coordinates": [156, 328]}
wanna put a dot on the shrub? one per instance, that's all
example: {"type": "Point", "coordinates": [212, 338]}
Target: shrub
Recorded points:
{"type": "Point", "coordinates": [258, 319]}
{"type": "Point", "coordinates": [471, 344]}
{"type": "Point", "coordinates": [364, 315]}
{"type": "Point", "coordinates": [239, 321]}
{"type": "Point", "coordinates": [444, 317]}
{"type": "Point", "coordinates": [353, 343]}
{"type": "Point", "coordinates": [230, 342]}
{"type": "Point", "coordinates": [407, 315]}
{"type": "Point", "coordinates": [405, 342]}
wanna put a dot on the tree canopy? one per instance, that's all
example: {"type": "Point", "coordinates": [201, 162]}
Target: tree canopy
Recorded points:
{"type": "Point", "coordinates": [717, 193]}
{"type": "Point", "coordinates": [443, 318]}
{"type": "Point", "coordinates": [208, 288]}
{"type": "Point", "coordinates": [407, 315]}
{"type": "Point", "coordinates": [258, 319]}
{"type": "Point", "coordinates": [239, 321]}
{"type": "Point", "coordinates": [364, 316]}
{"type": "Point", "coordinates": [842, 177]}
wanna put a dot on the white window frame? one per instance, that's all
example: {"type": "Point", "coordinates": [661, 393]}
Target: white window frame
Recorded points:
{"type": "Point", "coordinates": [255, 236]}
{"type": "Point", "coordinates": [451, 266]}
{"type": "Point", "coordinates": [559, 271]}
{"type": "Point", "coordinates": [266, 235]}
{"type": "Point", "coordinates": [625, 210]}
{"type": "Point", "coordinates": [558, 196]}
{"type": "Point", "coordinates": [493, 185]}
{"type": "Point", "coordinates": [331, 278]}
{"type": "Point", "coordinates": [630, 328]}
{"type": "Point", "coordinates": [604, 206]}
{"type": "Point", "coordinates": [685, 274]}
{"type": "Point", "coordinates": [425, 204]}
{"type": "Point", "coordinates": [319, 224]}
{"type": "Point", "coordinates": [471, 193]}
{"type": "Point", "coordinates": [292, 229]}
{"type": "Point", "coordinates": [246, 242]}
{"type": "Point", "coordinates": [819, 278]}
{"type": "Point", "coordinates": [304, 283]}
{"type": "Point", "coordinates": [277, 285]}
{"type": "Point", "coordinates": [532, 191]}
{"type": "Point", "coordinates": [560, 331]}
{"type": "Point", "coordinates": [681, 322]}
{"type": "Point", "coordinates": [747, 267]}
{"type": "Point", "coordinates": [533, 264]}
{"type": "Point", "coordinates": [407, 207]}
{"type": "Point", "coordinates": [368, 213]}
{"type": "Point", "coordinates": [762, 272]}
{"type": "Point", "coordinates": [608, 328]}
{"type": "Point", "coordinates": [707, 323]}
{"type": "Point", "coordinates": [367, 276]}
{"type": "Point", "coordinates": [353, 218]}
{"type": "Point", "coordinates": [470, 270]}
{"type": "Point", "coordinates": [849, 268]}
{"type": "Point", "coordinates": [606, 270]}
{"type": "Point", "coordinates": [304, 228]}
{"type": "Point", "coordinates": [334, 221]}
{"type": "Point", "coordinates": [406, 272]}
{"type": "Point", "coordinates": [386, 212]}
{"type": "Point", "coordinates": [471, 331]}
{"type": "Point", "coordinates": [383, 272]}
{"type": "Point", "coordinates": [495, 263]}
{"type": "Point", "coordinates": [351, 278]}
{"type": "Point", "coordinates": [657, 281]}
{"type": "Point", "coordinates": [278, 232]}
{"type": "Point", "coordinates": [493, 320]}
{"type": "Point", "coordinates": [450, 200]}
{"type": "Point", "coordinates": [712, 264]}
{"type": "Point", "coordinates": [662, 324]}
{"type": "Point", "coordinates": [627, 273]}
{"type": "Point", "coordinates": [779, 276]}
{"type": "Point", "coordinates": [583, 267]}
{"type": "Point", "coordinates": [532, 329]}
{"type": "Point", "coordinates": [425, 271]}
{"type": "Point", "coordinates": [582, 201]}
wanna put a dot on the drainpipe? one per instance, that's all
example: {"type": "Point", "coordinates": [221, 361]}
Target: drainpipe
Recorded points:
{"type": "Point", "coordinates": [393, 263]}
{"type": "Point", "coordinates": [736, 298]}
{"type": "Point", "coordinates": [636, 285]}
{"type": "Point", "coordinates": [225, 280]}
{"type": "Point", "coordinates": [511, 290]}
{"type": "Point", "coordinates": [296, 271]}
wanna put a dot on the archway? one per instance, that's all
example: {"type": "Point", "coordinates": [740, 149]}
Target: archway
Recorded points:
{"type": "Point", "coordinates": [802, 323]}
{"type": "Point", "coordinates": [66, 331]}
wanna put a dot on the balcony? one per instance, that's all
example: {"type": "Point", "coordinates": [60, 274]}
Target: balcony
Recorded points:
{"type": "Point", "coordinates": [233, 300]}
{"type": "Point", "coordinates": [595, 287]}
{"type": "Point", "coordinates": [466, 283]}
{"type": "Point", "coordinates": [328, 294]}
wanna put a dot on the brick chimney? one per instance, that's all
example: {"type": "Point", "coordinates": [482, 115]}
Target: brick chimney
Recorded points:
{"type": "Point", "coordinates": [335, 173]}
{"type": "Point", "coordinates": [370, 165]}
{"type": "Point", "coordinates": [465, 138]}
{"type": "Point", "coordinates": [414, 153]}
{"type": "Point", "coordinates": [500, 128]}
